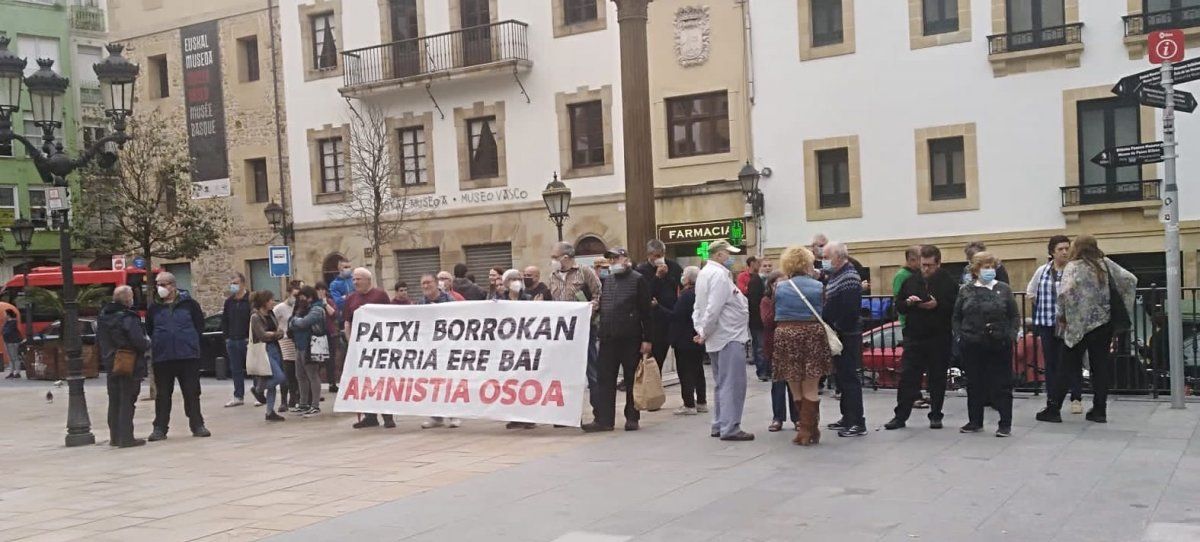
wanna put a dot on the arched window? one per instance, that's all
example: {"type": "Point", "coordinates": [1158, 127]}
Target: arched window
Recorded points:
{"type": "Point", "coordinates": [590, 246]}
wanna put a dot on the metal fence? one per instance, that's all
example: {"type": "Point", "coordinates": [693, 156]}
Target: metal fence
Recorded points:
{"type": "Point", "coordinates": [1050, 36]}
{"type": "Point", "coordinates": [1138, 357]}
{"type": "Point", "coordinates": [437, 53]}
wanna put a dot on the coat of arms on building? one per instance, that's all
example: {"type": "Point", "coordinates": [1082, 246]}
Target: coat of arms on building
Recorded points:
{"type": "Point", "coordinates": [691, 35]}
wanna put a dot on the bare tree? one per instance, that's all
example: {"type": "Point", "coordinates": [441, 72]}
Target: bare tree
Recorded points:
{"type": "Point", "coordinates": [376, 202]}
{"type": "Point", "coordinates": [143, 203]}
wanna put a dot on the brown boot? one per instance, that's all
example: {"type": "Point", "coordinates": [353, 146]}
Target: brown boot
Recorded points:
{"type": "Point", "coordinates": [804, 429]}
{"type": "Point", "coordinates": [814, 420]}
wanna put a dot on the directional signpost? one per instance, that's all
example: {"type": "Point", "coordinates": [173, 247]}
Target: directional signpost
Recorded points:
{"type": "Point", "coordinates": [1130, 155]}
{"type": "Point", "coordinates": [1156, 88]}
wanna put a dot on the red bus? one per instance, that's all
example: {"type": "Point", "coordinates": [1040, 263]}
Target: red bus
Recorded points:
{"type": "Point", "coordinates": [94, 288]}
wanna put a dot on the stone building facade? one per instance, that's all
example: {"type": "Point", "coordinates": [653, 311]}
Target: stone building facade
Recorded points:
{"type": "Point", "coordinates": [255, 121]}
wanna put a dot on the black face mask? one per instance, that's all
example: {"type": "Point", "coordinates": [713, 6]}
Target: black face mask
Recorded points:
{"type": "Point", "coordinates": [528, 283]}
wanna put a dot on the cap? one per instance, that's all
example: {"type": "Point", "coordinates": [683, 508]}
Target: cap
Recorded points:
{"type": "Point", "coordinates": [615, 252]}
{"type": "Point", "coordinates": [721, 244]}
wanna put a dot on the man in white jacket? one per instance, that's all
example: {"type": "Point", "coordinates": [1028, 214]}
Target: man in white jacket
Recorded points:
{"type": "Point", "coordinates": [721, 317]}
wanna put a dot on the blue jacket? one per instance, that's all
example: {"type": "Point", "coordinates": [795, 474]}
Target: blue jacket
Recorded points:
{"type": "Point", "coordinates": [789, 307]}
{"type": "Point", "coordinates": [302, 326]}
{"type": "Point", "coordinates": [175, 329]}
{"type": "Point", "coordinates": [339, 288]}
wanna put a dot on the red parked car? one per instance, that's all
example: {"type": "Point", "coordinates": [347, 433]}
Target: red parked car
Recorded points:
{"type": "Point", "coordinates": [884, 346]}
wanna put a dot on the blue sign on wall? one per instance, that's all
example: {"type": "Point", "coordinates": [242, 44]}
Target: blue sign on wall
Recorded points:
{"type": "Point", "coordinates": [281, 261]}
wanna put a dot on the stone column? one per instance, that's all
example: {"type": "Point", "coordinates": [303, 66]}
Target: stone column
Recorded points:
{"type": "Point", "coordinates": [635, 98]}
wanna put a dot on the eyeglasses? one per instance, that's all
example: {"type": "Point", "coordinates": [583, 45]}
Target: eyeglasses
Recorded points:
{"type": "Point", "coordinates": [165, 283]}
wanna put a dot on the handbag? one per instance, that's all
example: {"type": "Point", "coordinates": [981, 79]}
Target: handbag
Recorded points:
{"type": "Point", "coordinates": [648, 393]}
{"type": "Point", "coordinates": [257, 362]}
{"type": "Point", "coordinates": [1118, 313]}
{"type": "Point", "coordinates": [318, 349]}
{"type": "Point", "coordinates": [123, 362]}
{"type": "Point", "coordinates": [835, 344]}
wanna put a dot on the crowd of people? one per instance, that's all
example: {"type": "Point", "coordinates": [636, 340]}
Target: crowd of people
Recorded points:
{"type": "Point", "coordinates": [797, 325]}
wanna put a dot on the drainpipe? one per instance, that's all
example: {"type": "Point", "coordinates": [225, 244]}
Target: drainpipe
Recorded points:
{"type": "Point", "coordinates": [284, 200]}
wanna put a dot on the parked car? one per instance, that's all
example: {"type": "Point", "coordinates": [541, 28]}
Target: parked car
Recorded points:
{"type": "Point", "coordinates": [53, 332]}
{"type": "Point", "coordinates": [883, 348]}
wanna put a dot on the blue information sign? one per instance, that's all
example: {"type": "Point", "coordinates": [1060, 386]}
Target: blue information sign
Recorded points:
{"type": "Point", "coordinates": [281, 261]}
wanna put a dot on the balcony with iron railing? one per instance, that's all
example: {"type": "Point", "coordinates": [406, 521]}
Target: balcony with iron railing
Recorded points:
{"type": "Point", "coordinates": [87, 18]}
{"type": "Point", "coordinates": [1091, 194]}
{"type": "Point", "coordinates": [1139, 24]}
{"type": "Point", "coordinates": [481, 49]}
{"type": "Point", "coordinates": [1038, 38]}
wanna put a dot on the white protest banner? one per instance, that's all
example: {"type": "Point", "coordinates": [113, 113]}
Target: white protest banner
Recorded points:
{"type": "Point", "coordinates": [520, 361]}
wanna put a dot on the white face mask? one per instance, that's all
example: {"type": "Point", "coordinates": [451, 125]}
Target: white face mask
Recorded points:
{"type": "Point", "coordinates": [555, 265]}
{"type": "Point", "coordinates": [516, 285]}
{"type": "Point", "coordinates": [659, 261]}
{"type": "Point", "coordinates": [444, 284]}
{"type": "Point", "coordinates": [163, 292]}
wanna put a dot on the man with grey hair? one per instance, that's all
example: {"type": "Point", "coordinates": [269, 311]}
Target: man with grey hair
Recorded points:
{"type": "Point", "coordinates": [176, 323]}
{"type": "Point", "coordinates": [364, 293]}
{"type": "Point", "coordinates": [571, 282]}
{"type": "Point", "coordinates": [663, 277]}
{"type": "Point", "coordinates": [119, 329]}
{"type": "Point", "coordinates": [843, 301]}
{"type": "Point", "coordinates": [721, 318]}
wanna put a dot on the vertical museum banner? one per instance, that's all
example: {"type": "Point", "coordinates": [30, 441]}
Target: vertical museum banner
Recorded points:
{"type": "Point", "coordinates": [205, 107]}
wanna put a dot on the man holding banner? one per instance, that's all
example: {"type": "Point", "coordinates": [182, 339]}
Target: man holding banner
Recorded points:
{"type": "Point", "coordinates": [365, 293]}
{"type": "Point", "coordinates": [624, 331]}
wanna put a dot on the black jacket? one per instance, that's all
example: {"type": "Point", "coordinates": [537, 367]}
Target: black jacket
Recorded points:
{"type": "Point", "coordinates": [625, 307]}
{"type": "Point", "coordinates": [235, 317]}
{"type": "Point", "coordinates": [754, 294]}
{"type": "Point", "coordinates": [665, 290]}
{"type": "Point", "coordinates": [469, 290]}
{"type": "Point", "coordinates": [923, 323]}
{"type": "Point", "coordinates": [121, 328]}
{"type": "Point", "coordinates": [681, 328]}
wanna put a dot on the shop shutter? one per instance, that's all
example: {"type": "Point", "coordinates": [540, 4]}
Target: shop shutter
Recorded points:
{"type": "Point", "coordinates": [410, 264]}
{"type": "Point", "coordinates": [480, 258]}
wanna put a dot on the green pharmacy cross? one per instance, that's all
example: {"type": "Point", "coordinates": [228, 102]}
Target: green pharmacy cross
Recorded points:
{"type": "Point", "coordinates": [737, 232]}
{"type": "Point", "coordinates": [702, 250]}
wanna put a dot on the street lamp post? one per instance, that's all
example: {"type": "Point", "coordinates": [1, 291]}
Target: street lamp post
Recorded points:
{"type": "Point", "coordinates": [22, 232]}
{"type": "Point", "coordinates": [558, 201]}
{"type": "Point", "coordinates": [46, 91]}
{"type": "Point", "coordinates": [277, 218]}
{"type": "Point", "coordinates": [749, 177]}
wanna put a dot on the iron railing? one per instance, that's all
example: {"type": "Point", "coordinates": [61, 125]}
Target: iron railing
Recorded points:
{"type": "Point", "coordinates": [500, 42]}
{"type": "Point", "coordinates": [1111, 192]}
{"type": "Point", "coordinates": [1138, 358]}
{"type": "Point", "coordinates": [90, 18]}
{"type": "Point", "coordinates": [1037, 38]}
{"type": "Point", "coordinates": [1143, 23]}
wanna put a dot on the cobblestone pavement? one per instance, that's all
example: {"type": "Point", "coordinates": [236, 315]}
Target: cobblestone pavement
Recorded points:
{"type": "Point", "coordinates": [1134, 479]}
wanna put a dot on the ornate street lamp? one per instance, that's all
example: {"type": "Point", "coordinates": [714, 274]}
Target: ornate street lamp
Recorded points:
{"type": "Point", "coordinates": [749, 177]}
{"type": "Point", "coordinates": [47, 90]}
{"type": "Point", "coordinates": [277, 218]}
{"type": "Point", "coordinates": [558, 201]}
{"type": "Point", "coordinates": [22, 232]}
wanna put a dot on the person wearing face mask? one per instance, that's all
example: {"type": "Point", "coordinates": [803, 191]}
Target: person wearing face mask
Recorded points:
{"type": "Point", "coordinates": [720, 317]}
{"type": "Point", "coordinates": [985, 324]}
{"type": "Point", "coordinates": [289, 391]}
{"type": "Point", "coordinates": [446, 284]}
{"type": "Point", "coordinates": [689, 356]}
{"type": "Point", "coordinates": [824, 264]}
{"type": "Point", "coordinates": [664, 278]}
{"type": "Point", "coordinates": [176, 323]}
{"type": "Point", "coordinates": [235, 326]}
{"type": "Point", "coordinates": [120, 328]}
{"type": "Point", "coordinates": [342, 285]}
{"type": "Point", "coordinates": [513, 289]}
{"type": "Point", "coordinates": [624, 332]}
{"type": "Point", "coordinates": [431, 293]}
{"type": "Point", "coordinates": [534, 285]}
{"type": "Point", "coordinates": [973, 248]}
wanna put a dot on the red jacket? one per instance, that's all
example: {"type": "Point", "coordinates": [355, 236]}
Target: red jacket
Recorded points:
{"type": "Point", "coordinates": [743, 282]}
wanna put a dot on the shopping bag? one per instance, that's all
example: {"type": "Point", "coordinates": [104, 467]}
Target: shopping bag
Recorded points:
{"type": "Point", "coordinates": [257, 363]}
{"type": "Point", "coordinates": [648, 391]}
{"type": "Point", "coordinates": [318, 349]}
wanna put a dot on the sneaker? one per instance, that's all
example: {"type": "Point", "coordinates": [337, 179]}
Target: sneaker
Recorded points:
{"type": "Point", "coordinates": [10, 376]}
{"type": "Point", "coordinates": [311, 412]}
{"type": "Point", "coordinates": [740, 436]}
{"type": "Point", "coordinates": [366, 422]}
{"type": "Point", "coordinates": [702, 408]}
{"type": "Point", "coordinates": [201, 432]}
{"type": "Point", "coordinates": [235, 402]}
{"type": "Point", "coordinates": [454, 423]}
{"type": "Point", "coordinates": [1004, 432]}
{"type": "Point", "coordinates": [1049, 415]}
{"type": "Point", "coordinates": [259, 396]}
{"type": "Point", "coordinates": [853, 431]}
{"type": "Point", "coordinates": [1096, 417]}
{"type": "Point", "coordinates": [970, 428]}
{"type": "Point", "coordinates": [299, 409]}
{"type": "Point", "coordinates": [274, 417]}
{"type": "Point", "coordinates": [894, 424]}
{"type": "Point", "coordinates": [837, 426]}
{"type": "Point", "coordinates": [593, 427]}
{"type": "Point", "coordinates": [1077, 407]}
{"type": "Point", "coordinates": [157, 435]}
{"type": "Point", "coordinates": [685, 411]}
{"type": "Point", "coordinates": [432, 423]}
{"type": "Point", "coordinates": [935, 424]}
